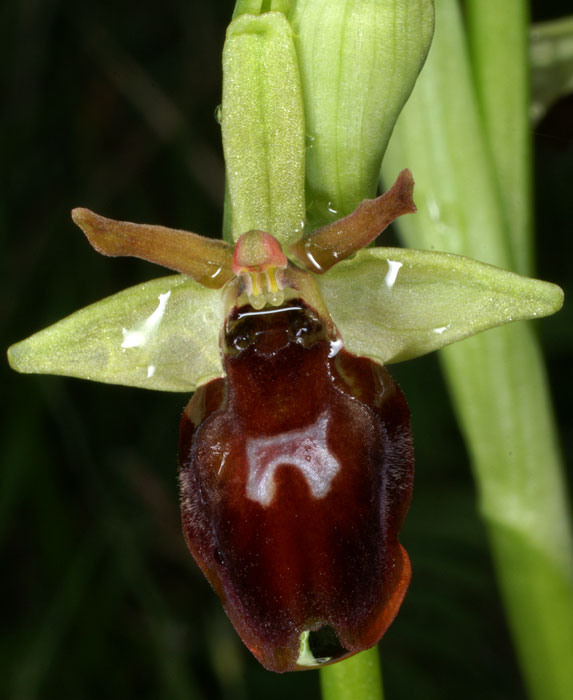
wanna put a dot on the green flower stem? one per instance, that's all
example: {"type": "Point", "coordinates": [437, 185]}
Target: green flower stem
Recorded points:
{"type": "Point", "coordinates": [357, 678]}
{"type": "Point", "coordinates": [498, 36]}
{"type": "Point", "coordinates": [497, 379]}
{"type": "Point", "coordinates": [500, 393]}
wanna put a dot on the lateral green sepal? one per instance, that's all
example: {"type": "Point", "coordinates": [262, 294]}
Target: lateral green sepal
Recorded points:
{"type": "Point", "coordinates": [162, 335]}
{"type": "Point", "coordinates": [394, 304]}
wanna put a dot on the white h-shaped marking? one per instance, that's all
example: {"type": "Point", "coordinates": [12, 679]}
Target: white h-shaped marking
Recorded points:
{"type": "Point", "coordinates": [304, 449]}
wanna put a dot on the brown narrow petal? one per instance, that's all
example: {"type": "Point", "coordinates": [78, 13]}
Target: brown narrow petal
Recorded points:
{"type": "Point", "coordinates": [326, 246]}
{"type": "Point", "coordinates": [208, 261]}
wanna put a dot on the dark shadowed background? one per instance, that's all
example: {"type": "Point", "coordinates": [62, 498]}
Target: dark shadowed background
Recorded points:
{"type": "Point", "coordinates": [111, 105]}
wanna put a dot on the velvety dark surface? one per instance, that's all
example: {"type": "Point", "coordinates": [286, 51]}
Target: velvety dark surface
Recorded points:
{"type": "Point", "coordinates": [110, 105]}
{"type": "Point", "coordinates": [296, 550]}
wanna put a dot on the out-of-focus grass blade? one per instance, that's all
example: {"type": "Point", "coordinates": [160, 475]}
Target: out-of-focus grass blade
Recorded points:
{"type": "Point", "coordinates": [551, 51]}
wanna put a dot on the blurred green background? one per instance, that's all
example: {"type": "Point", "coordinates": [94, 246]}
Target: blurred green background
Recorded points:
{"type": "Point", "coordinates": [111, 105]}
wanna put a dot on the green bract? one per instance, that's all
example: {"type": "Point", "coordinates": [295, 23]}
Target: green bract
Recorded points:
{"type": "Point", "coordinates": [359, 60]}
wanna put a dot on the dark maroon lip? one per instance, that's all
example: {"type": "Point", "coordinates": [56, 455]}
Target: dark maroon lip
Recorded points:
{"type": "Point", "coordinates": [296, 473]}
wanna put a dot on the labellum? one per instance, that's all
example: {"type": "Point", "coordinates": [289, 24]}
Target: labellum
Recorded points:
{"type": "Point", "coordinates": [296, 473]}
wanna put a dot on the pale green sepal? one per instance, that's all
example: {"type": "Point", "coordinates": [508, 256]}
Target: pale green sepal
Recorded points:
{"type": "Point", "coordinates": [393, 304]}
{"type": "Point", "coordinates": [262, 122]}
{"type": "Point", "coordinates": [162, 335]}
{"type": "Point", "coordinates": [551, 63]}
{"type": "Point", "coordinates": [358, 61]}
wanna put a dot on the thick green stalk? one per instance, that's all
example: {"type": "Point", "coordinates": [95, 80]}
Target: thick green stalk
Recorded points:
{"type": "Point", "coordinates": [498, 36]}
{"type": "Point", "coordinates": [497, 379]}
{"type": "Point", "coordinates": [357, 678]}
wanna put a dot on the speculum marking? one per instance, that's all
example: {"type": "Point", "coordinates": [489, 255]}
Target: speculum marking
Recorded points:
{"type": "Point", "coordinates": [305, 449]}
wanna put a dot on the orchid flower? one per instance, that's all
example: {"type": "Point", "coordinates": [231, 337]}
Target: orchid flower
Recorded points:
{"type": "Point", "coordinates": [295, 451]}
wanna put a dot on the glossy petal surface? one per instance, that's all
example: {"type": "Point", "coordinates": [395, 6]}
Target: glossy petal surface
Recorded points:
{"type": "Point", "coordinates": [393, 304]}
{"type": "Point", "coordinates": [160, 335]}
{"type": "Point", "coordinates": [296, 473]}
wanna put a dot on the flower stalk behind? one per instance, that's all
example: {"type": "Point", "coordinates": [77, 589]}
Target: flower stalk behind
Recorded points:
{"type": "Point", "coordinates": [497, 380]}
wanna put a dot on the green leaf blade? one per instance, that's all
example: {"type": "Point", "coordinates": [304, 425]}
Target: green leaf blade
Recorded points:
{"type": "Point", "coordinates": [394, 304]}
{"type": "Point", "coordinates": [159, 335]}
